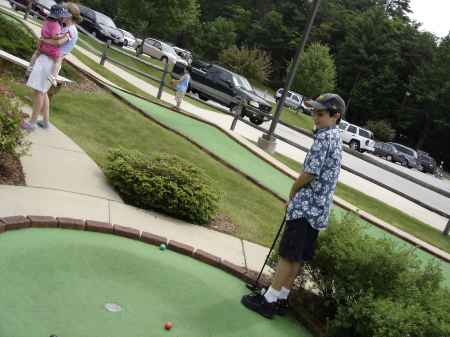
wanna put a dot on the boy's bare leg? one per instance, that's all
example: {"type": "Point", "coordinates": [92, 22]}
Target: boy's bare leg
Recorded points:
{"type": "Point", "coordinates": [56, 65]}
{"type": "Point", "coordinates": [286, 273]}
{"type": "Point", "coordinates": [178, 104]}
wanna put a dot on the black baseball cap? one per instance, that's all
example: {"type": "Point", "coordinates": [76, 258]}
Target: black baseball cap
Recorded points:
{"type": "Point", "coordinates": [329, 101]}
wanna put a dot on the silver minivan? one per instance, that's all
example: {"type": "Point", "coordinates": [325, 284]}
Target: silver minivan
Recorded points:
{"type": "Point", "coordinates": [413, 158]}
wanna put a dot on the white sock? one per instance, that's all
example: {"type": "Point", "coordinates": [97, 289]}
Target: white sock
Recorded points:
{"type": "Point", "coordinates": [271, 295]}
{"type": "Point", "coordinates": [284, 293]}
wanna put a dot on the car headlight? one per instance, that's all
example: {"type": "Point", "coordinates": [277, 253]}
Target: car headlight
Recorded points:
{"type": "Point", "coordinates": [253, 103]}
{"type": "Point", "coordinates": [46, 11]}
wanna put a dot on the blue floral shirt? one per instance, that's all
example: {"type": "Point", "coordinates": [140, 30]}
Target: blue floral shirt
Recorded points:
{"type": "Point", "coordinates": [313, 201]}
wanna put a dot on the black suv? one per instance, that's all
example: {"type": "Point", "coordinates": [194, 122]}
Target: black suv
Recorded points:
{"type": "Point", "coordinates": [100, 26]}
{"type": "Point", "coordinates": [428, 163]}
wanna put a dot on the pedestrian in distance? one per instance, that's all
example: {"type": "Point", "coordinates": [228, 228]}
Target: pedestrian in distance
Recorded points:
{"type": "Point", "coordinates": [51, 29]}
{"type": "Point", "coordinates": [182, 86]}
{"type": "Point", "coordinates": [308, 208]}
{"type": "Point", "coordinates": [439, 171]}
{"type": "Point", "coordinates": [38, 79]}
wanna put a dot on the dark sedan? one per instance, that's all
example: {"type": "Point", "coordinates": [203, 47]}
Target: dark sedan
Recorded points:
{"type": "Point", "coordinates": [389, 152]}
{"type": "Point", "coordinates": [428, 164]}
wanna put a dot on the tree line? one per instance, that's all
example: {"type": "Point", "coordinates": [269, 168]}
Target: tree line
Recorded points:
{"type": "Point", "coordinates": [370, 52]}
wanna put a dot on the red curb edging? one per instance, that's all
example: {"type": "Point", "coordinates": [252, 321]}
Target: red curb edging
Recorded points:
{"type": "Point", "coordinates": [127, 232]}
{"type": "Point", "coordinates": [15, 222]}
{"type": "Point", "coordinates": [69, 223]}
{"type": "Point", "coordinates": [43, 221]}
{"type": "Point", "coordinates": [180, 248]}
{"type": "Point", "coordinates": [98, 226]}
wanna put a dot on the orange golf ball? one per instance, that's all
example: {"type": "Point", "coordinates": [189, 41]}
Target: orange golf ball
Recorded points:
{"type": "Point", "coordinates": [168, 326]}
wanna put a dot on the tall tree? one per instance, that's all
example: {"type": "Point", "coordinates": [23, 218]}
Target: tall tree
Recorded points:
{"type": "Point", "coordinates": [316, 72]}
{"type": "Point", "coordinates": [170, 15]}
{"type": "Point", "coordinates": [215, 37]}
{"type": "Point", "coordinates": [366, 48]}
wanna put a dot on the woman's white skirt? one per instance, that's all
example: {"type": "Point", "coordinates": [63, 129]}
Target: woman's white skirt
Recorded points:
{"type": "Point", "coordinates": [38, 79]}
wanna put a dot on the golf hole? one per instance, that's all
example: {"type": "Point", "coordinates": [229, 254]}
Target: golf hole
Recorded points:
{"type": "Point", "coordinates": [113, 307]}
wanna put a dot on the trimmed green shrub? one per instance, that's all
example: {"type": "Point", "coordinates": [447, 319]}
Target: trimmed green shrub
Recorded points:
{"type": "Point", "coordinates": [163, 183]}
{"type": "Point", "coordinates": [375, 287]}
{"type": "Point", "coordinates": [13, 133]}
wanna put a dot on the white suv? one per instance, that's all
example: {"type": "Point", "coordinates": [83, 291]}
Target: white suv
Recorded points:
{"type": "Point", "coordinates": [356, 137]}
{"type": "Point", "coordinates": [293, 101]}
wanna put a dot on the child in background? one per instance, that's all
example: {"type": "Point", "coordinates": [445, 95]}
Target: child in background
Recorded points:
{"type": "Point", "coordinates": [182, 86]}
{"type": "Point", "coordinates": [51, 29]}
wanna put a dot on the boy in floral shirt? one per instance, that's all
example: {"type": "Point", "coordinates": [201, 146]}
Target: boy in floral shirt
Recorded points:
{"type": "Point", "coordinates": [308, 208]}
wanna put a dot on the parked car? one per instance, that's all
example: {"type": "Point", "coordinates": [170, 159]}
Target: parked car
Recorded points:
{"type": "Point", "coordinates": [158, 50]}
{"type": "Point", "coordinates": [221, 85]}
{"type": "Point", "coordinates": [294, 101]}
{"type": "Point", "coordinates": [356, 137]}
{"type": "Point", "coordinates": [412, 157]}
{"type": "Point", "coordinates": [128, 38]}
{"type": "Point", "coordinates": [41, 7]}
{"type": "Point", "coordinates": [428, 163]}
{"type": "Point", "coordinates": [100, 26]}
{"type": "Point", "coordinates": [185, 56]}
{"type": "Point", "coordinates": [389, 152]}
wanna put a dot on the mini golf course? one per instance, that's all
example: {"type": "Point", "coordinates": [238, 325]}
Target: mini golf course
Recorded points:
{"type": "Point", "coordinates": [62, 282]}
{"type": "Point", "coordinates": [222, 145]}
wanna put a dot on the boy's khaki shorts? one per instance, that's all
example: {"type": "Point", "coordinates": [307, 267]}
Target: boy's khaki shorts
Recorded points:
{"type": "Point", "coordinates": [179, 95]}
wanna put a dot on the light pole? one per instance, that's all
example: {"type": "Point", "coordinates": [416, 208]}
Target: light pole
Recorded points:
{"type": "Point", "coordinates": [268, 142]}
{"type": "Point", "coordinates": [402, 108]}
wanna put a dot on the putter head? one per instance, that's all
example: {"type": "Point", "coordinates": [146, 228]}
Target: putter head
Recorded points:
{"type": "Point", "coordinates": [253, 287]}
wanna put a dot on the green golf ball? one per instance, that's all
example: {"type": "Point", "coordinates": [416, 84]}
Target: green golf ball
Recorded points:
{"type": "Point", "coordinates": [162, 246]}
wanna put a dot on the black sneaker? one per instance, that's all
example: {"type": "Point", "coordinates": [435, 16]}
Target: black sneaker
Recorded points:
{"type": "Point", "coordinates": [259, 304]}
{"type": "Point", "coordinates": [282, 307]}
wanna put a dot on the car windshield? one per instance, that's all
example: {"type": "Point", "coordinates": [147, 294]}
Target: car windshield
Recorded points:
{"type": "Point", "coordinates": [168, 49]}
{"type": "Point", "coordinates": [105, 20]}
{"type": "Point", "coordinates": [426, 158]}
{"type": "Point", "coordinates": [242, 83]}
{"type": "Point", "coordinates": [47, 3]}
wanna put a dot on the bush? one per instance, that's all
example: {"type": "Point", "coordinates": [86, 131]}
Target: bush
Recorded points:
{"type": "Point", "coordinates": [13, 133]}
{"type": "Point", "coordinates": [375, 287]}
{"type": "Point", "coordinates": [382, 129]}
{"type": "Point", "coordinates": [253, 62]}
{"type": "Point", "coordinates": [163, 183]}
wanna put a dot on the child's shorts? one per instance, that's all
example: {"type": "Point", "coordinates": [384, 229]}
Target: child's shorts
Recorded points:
{"type": "Point", "coordinates": [179, 95]}
{"type": "Point", "coordinates": [298, 241]}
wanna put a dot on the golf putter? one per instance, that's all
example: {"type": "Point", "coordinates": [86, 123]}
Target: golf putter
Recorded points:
{"type": "Point", "coordinates": [254, 287]}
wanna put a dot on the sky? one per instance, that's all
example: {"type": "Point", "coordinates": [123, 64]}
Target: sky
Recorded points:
{"type": "Point", "coordinates": [434, 15]}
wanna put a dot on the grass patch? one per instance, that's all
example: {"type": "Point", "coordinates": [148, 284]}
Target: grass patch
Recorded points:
{"type": "Point", "coordinates": [97, 122]}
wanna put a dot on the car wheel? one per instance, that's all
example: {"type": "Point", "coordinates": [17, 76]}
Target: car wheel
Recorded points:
{"type": "Point", "coordinates": [164, 59]}
{"type": "Point", "coordinates": [94, 33]}
{"type": "Point", "coordinates": [35, 15]}
{"type": "Point", "coordinates": [405, 164]}
{"type": "Point", "coordinates": [421, 168]}
{"type": "Point", "coordinates": [389, 157]}
{"type": "Point", "coordinates": [354, 145]}
{"type": "Point", "coordinates": [276, 100]}
{"type": "Point", "coordinates": [14, 6]}
{"type": "Point", "coordinates": [256, 121]}
{"type": "Point", "coordinates": [233, 109]}
{"type": "Point", "coordinates": [202, 97]}
{"type": "Point", "coordinates": [125, 43]}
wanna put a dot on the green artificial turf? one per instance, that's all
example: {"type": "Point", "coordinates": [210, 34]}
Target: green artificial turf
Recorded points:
{"type": "Point", "coordinates": [58, 281]}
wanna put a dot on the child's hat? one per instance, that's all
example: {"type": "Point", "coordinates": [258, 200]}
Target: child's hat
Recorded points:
{"type": "Point", "coordinates": [333, 102]}
{"type": "Point", "coordinates": [59, 11]}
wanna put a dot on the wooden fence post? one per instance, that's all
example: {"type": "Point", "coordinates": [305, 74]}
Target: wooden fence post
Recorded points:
{"type": "Point", "coordinates": [163, 80]}
{"type": "Point", "coordinates": [238, 112]}
{"type": "Point", "coordinates": [447, 228]}
{"type": "Point", "coordinates": [105, 52]}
